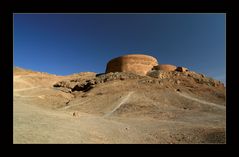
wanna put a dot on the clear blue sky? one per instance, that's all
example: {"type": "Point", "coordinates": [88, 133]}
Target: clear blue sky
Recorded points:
{"type": "Point", "coordinates": [63, 44]}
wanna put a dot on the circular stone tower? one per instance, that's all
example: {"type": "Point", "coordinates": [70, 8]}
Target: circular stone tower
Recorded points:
{"type": "Point", "coordinates": [165, 67]}
{"type": "Point", "coordinates": [135, 63]}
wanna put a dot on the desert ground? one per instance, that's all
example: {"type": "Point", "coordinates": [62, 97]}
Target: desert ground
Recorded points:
{"type": "Point", "coordinates": [172, 108]}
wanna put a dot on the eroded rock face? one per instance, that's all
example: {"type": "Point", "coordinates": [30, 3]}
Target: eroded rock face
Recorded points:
{"type": "Point", "coordinates": [87, 84]}
{"type": "Point", "coordinates": [135, 63]}
{"type": "Point", "coordinates": [188, 78]}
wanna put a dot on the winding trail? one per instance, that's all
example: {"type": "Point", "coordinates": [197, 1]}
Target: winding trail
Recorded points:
{"type": "Point", "coordinates": [23, 89]}
{"type": "Point", "coordinates": [77, 104]}
{"type": "Point", "coordinates": [201, 101]}
{"type": "Point", "coordinates": [118, 106]}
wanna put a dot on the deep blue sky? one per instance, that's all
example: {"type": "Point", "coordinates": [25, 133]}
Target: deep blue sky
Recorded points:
{"type": "Point", "coordinates": [63, 44]}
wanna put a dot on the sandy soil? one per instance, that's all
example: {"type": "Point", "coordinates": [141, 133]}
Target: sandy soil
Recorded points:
{"type": "Point", "coordinates": [114, 112]}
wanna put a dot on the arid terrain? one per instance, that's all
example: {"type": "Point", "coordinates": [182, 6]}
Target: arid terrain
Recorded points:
{"type": "Point", "coordinates": [160, 108]}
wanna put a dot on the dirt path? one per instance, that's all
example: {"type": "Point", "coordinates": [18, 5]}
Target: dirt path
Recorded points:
{"type": "Point", "coordinates": [66, 107]}
{"type": "Point", "coordinates": [33, 124]}
{"type": "Point", "coordinates": [201, 101]}
{"type": "Point", "coordinates": [30, 88]}
{"type": "Point", "coordinates": [124, 99]}
{"type": "Point", "coordinates": [40, 96]}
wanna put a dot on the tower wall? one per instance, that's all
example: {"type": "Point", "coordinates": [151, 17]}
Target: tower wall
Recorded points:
{"type": "Point", "coordinates": [135, 63]}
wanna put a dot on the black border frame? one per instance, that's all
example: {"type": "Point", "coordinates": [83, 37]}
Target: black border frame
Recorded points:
{"type": "Point", "coordinates": [109, 6]}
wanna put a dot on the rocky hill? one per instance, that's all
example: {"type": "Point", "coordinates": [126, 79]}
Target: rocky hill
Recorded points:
{"type": "Point", "coordinates": [120, 107]}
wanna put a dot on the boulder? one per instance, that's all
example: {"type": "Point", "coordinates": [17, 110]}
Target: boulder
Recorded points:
{"type": "Point", "coordinates": [181, 69]}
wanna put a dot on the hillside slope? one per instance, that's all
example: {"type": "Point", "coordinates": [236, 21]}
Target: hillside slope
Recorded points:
{"type": "Point", "coordinates": [163, 107]}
